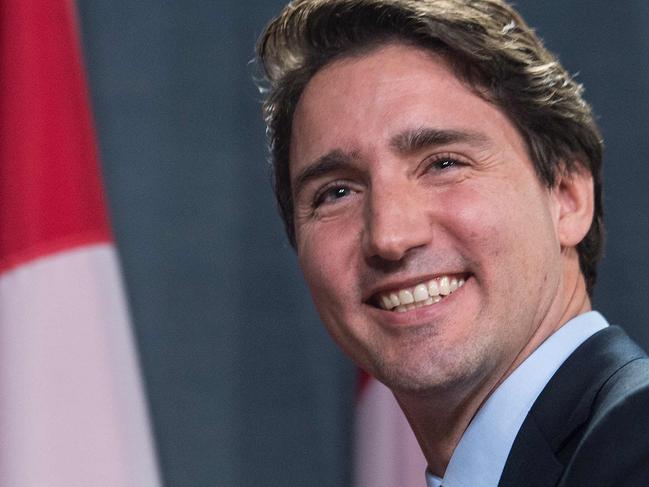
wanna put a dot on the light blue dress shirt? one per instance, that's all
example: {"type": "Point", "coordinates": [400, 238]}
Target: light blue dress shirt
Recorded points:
{"type": "Point", "coordinates": [480, 456]}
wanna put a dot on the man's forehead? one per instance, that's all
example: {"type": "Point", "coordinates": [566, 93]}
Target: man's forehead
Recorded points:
{"type": "Point", "coordinates": [397, 78]}
{"type": "Point", "coordinates": [374, 57]}
{"type": "Point", "coordinates": [397, 96]}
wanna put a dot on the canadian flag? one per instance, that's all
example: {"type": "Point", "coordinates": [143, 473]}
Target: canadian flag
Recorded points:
{"type": "Point", "coordinates": [72, 410]}
{"type": "Point", "coordinates": [386, 451]}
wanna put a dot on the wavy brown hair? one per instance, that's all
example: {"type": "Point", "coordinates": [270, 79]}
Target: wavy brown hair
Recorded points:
{"type": "Point", "coordinates": [487, 45]}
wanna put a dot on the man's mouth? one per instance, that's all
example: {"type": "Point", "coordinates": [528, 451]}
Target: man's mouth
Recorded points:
{"type": "Point", "coordinates": [423, 294]}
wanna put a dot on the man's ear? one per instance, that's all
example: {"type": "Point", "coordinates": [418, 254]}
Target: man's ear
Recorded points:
{"type": "Point", "coordinates": [573, 195]}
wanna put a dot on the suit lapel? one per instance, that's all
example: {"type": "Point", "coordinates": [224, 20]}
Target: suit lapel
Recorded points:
{"type": "Point", "coordinates": [552, 428]}
{"type": "Point", "coordinates": [533, 463]}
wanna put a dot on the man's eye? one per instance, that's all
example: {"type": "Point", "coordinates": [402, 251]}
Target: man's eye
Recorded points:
{"type": "Point", "coordinates": [331, 194]}
{"type": "Point", "coordinates": [445, 163]}
{"type": "Point", "coordinates": [441, 163]}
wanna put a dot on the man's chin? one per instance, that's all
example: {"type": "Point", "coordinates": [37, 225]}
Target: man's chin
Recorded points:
{"type": "Point", "coordinates": [429, 375]}
{"type": "Point", "coordinates": [419, 380]}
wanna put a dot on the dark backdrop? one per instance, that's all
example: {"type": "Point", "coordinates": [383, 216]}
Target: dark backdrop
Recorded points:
{"type": "Point", "coordinates": [244, 386]}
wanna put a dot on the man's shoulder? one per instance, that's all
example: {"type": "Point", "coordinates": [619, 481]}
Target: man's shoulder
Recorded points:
{"type": "Point", "coordinates": [627, 386]}
{"type": "Point", "coordinates": [590, 425]}
{"type": "Point", "coordinates": [605, 368]}
{"type": "Point", "coordinates": [613, 446]}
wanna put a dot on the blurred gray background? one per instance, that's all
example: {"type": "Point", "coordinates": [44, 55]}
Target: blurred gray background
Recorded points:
{"type": "Point", "coordinates": [244, 386]}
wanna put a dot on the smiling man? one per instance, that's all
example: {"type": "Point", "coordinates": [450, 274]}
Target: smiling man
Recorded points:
{"type": "Point", "coordinates": [438, 173]}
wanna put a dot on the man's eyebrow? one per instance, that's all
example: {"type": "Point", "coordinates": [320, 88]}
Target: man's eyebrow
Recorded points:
{"type": "Point", "coordinates": [323, 165]}
{"type": "Point", "coordinates": [411, 141]}
{"type": "Point", "coordinates": [405, 142]}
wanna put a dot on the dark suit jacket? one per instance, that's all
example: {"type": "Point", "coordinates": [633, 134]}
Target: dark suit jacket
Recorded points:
{"type": "Point", "coordinates": [590, 425]}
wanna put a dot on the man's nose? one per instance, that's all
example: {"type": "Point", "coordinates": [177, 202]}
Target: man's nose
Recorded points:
{"type": "Point", "coordinates": [395, 222]}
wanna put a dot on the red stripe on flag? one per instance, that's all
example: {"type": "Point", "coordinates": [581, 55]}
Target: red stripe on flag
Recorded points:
{"type": "Point", "coordinates": [50, 190]}
{"type": "Point", "coordinates": [72, 410]}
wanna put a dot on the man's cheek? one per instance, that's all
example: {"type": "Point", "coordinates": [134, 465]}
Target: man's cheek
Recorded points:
{"type": "Point", "coordinates": [316, 264]}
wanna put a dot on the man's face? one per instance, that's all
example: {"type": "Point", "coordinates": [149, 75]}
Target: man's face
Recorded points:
{"type": "Point", "coordinates": [406, 185]}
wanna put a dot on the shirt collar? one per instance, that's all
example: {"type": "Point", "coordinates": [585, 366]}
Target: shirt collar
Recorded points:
{"type": "Point", "coordinates": [481, 453]}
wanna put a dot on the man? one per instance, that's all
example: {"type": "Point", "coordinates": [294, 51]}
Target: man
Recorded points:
{"type": "Point", "coordinates": [438, 173]}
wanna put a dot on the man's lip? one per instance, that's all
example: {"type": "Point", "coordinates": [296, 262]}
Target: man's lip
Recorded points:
{"type": "Point", "coordinates": [396, 285]}
{"type": "Point", "coordinates": [423, 316]}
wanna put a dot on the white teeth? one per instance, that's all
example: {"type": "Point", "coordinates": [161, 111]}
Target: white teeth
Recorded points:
{"type": "Point", "coordinates": [421, 292]}
{"type": "Point", "coordinates": [444, 286]}
{"type": "Point", "coordinates": [433, 288]}
{"type": "Point", "coordinates": [406, 297]}
{"type": "Point", "coordinates": [453, 284]}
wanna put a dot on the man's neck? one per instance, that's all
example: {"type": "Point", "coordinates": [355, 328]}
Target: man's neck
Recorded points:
{"type": "Point", "coordinates": [439, 423]}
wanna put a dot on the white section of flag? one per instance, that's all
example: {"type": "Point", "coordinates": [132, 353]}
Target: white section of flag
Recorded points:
{"type": "Point", "coordinates": [72, 410]}
{"type": "Point", "coordinates": [386, 451]}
